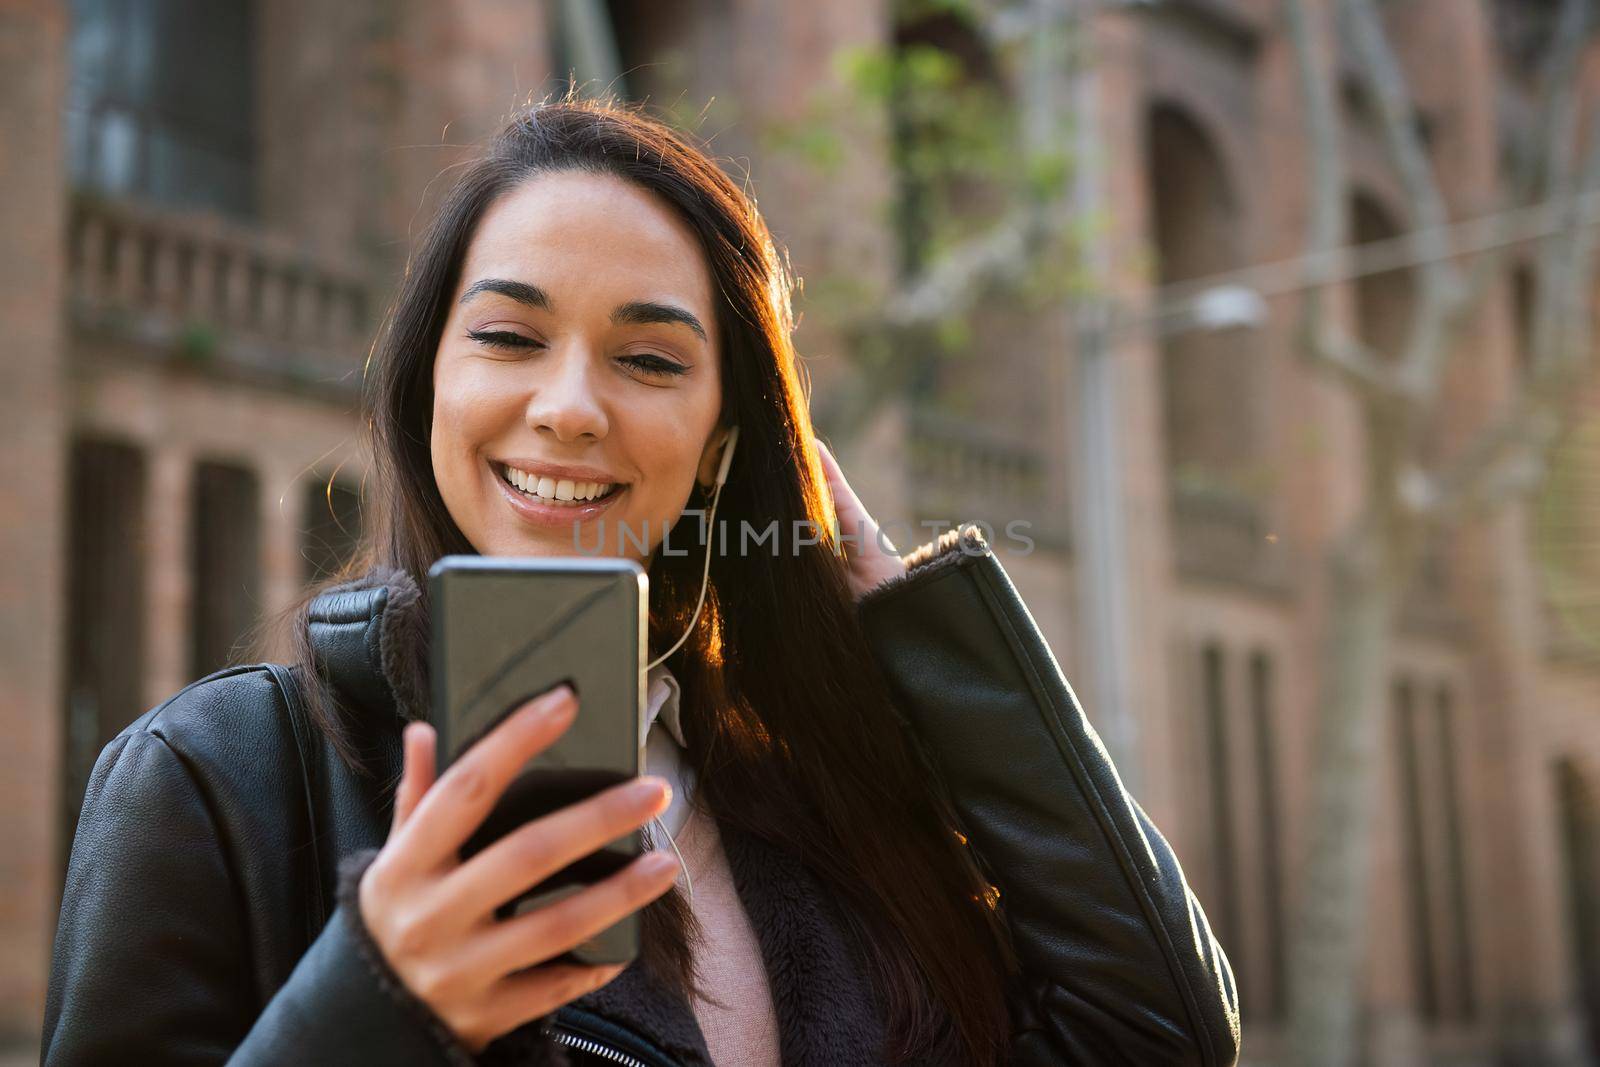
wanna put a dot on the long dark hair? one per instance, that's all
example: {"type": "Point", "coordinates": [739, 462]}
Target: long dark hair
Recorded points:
{"type": "Point", "coordinates": [788, 723]}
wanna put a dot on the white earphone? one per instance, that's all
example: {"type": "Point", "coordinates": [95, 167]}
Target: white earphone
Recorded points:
{"type": "Point", "coordinates": [705, 577]}
{"type": "Point", "coordinates": [705, 574]}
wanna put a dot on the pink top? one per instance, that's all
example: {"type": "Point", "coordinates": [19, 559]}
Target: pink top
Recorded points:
{"type": "Point", "coordinates": [736, 1015]}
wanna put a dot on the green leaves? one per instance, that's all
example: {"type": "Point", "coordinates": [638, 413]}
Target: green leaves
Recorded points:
{"type": "Point", "coordinates": [939, 105]}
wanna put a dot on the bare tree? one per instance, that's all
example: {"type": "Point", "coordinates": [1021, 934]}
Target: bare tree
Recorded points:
{"type": "Point", "coordinates": [1406, 501]}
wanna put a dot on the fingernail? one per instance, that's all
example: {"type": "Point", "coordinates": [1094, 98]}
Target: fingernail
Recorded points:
{"type": "Point", "coordinates": [653, 787]}
{"type": "Point", "coordinates": [553, 705]}
{"type": "Point", "coordinates": [659, 862]}
{"type": "Point", "coordinates": [555, 699]}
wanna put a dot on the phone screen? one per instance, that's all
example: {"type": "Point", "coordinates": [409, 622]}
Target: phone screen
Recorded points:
{"type": "Point", "coordinates": [506, 629]}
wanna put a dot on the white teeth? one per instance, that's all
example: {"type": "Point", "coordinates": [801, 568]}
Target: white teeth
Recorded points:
{"type": "Point", "coordinates": [564, 490]}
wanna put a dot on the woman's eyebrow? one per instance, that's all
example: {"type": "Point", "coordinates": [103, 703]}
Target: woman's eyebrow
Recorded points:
{"type": "Point", "coordinates": [521, 292]}
{"type": "Point", "coordinates": [641, 312]}
{"type": "Point", "coordinates": [634, 312]}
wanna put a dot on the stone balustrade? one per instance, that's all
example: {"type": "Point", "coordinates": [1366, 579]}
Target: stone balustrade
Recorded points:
{"type": "Point", "coordinates": [964, 471]}
{"type": "Point", "coordinates": [210, 286]}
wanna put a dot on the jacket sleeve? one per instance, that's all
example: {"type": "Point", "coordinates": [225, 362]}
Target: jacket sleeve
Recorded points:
{"type": "Point", "coordinates": [151, 956]}
{"type": "Point", "coordinates": [1119, 963]}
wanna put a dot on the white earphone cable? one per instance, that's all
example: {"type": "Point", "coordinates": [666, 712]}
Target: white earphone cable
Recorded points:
{"type": "Point", "coordinates": [683, 865]}
{"type": "Point", "coordinates": [711, 524]}
{"type": "Point", "coordinates": [705, 578]}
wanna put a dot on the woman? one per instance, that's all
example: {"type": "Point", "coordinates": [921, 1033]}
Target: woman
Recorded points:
{"type": "Point", "coordinates": [911, 847]}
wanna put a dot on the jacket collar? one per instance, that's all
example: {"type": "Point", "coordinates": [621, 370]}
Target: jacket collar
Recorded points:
{"type": "Point", "coordinates": [358, 627]}
{"type": "Point", "coordinates": [358, 631]}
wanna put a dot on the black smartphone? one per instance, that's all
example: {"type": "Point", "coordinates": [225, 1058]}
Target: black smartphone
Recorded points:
{"type": "Point", "coordinates": [504, 630]}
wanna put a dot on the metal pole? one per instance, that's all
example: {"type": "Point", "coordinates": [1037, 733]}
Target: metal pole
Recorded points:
{"type": "Point", "coordinates": [1099, 514]}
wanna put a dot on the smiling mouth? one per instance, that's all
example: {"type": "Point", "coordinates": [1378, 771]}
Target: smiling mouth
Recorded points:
{"type": "Point", "coordinates": [558, 492]}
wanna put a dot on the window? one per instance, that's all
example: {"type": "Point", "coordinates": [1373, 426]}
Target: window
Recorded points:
{"type": "Point", "coordinates": [1414, 826]}
{"type": "Point", "coordinates": [1462, 1002]}
{"type": "Point", "coordinates": [1213, 408]}
{"type": "Point", "coordinates": [1522, 34]}
{"type": "Point", "coordinates": [1274, 969]}
{"type": "Point", "coordinates": [160, 101]}
{"type": "Point", "coordinates": [105, 609]}
{"type": "Point", "coordinates": [225, 547]}
{"type": "Point", "coordinates": [1524, 307]}
{"type": "Point", "coordinates": [1225, 856]}
{"type": "Point", "coordinates": [1434, 850]}
{"type": "Point", "coordinates": [950, 118]}
{"type": "Point", "coordinates": [1384, 300]}
{"type": "Point", "coordinates": [332, 526]}
{"type": "Point", "coordinates": [1579, 815]}
{"type": "Point", "coordinates": [1245, 897]}
{"type": "Point", "coordinates": [656, 43]}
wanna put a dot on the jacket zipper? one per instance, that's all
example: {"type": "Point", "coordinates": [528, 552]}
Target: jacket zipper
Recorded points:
{"type": "Point", "coordinates": [595, 1048]}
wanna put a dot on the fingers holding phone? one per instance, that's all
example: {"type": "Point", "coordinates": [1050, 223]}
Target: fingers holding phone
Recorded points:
{"type": "Point", "coordinates": [433, 916]}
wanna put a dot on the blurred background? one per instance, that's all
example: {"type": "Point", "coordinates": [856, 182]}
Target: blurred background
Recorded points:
{"type": "Point", "coordinates": [1266, 323]}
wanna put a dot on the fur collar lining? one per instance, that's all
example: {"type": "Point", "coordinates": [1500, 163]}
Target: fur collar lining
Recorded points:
{"type": "Point", "coordinates": [370, 640]}
{"type": "Point", "coordinates": [953, 548]}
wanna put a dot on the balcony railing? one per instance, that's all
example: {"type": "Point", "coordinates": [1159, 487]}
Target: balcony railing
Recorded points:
{"type": "Point", "coordinates": [962, 471]}
{"type": "Point", "coordinates": [1224, 535]}
{"type": "Point", "coordinates": [207, 288]}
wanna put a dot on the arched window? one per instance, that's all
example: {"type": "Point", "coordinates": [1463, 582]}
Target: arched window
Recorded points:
{"type": "Point", "coordinates": [1212, 402]}
{"type": "Point", "coordinates": [1383, 300]}
{"type": "Point", "coordinates": [1195, 224]}
{"type": "Point", "coordinates": [947, 119]}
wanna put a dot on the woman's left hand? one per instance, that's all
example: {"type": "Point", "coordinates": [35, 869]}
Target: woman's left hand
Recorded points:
{"type": "Point", "coordinates": [872, 558]}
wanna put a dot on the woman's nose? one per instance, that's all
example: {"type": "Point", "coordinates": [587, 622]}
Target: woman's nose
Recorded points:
{"type": "Point", "coordinates": [565, 400]}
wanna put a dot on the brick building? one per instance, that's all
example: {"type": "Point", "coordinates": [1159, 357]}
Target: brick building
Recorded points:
{"type": "Point", "coordinates": [208, 207]}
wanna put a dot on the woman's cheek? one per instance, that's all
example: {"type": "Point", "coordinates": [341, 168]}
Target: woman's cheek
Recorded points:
{"type": "Point", "coordinates": [455, 452]}
{"type": "Point", "coordinates": [666, 512]}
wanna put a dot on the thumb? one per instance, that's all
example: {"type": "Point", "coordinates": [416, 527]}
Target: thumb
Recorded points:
{"type": "Point", "coordinates": [419, 741]}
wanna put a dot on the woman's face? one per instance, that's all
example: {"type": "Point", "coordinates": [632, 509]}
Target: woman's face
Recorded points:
{"type": "Point", "coordinates": [576, 387]}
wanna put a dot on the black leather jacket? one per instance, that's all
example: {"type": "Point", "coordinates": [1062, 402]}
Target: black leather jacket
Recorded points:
{"type": "Point", "coordinates": [203, 919]}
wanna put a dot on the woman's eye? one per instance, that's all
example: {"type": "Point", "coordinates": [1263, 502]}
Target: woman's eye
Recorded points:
{"type": "Point", "coordinates": [502, 339]}
{"type": "Point", "coordinates": [659, 365]}
{"type": "Point", "coordinates": [506, 340]}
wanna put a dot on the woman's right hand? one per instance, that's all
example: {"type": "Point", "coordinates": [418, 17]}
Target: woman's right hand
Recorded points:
{"type": "Point", "coordinates": [433, 916]}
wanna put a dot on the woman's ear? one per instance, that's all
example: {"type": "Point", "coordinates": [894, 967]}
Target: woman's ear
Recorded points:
{"type": "Point", "coordinates": [711, 457]}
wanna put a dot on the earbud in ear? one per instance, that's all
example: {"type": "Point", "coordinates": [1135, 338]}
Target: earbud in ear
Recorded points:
{"type": "Point", "coordinates": [727, 456]}
{"type": "Point", "coordinates": [705, 571]}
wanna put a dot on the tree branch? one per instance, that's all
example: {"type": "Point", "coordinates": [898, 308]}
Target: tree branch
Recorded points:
{"type": "Point", "coordinates": [1535, 171]}
{"type": "Point", "coordinates": [1328, 218]}
{"type": "Point", "coordinates": [1507, 458]}
{"type": "Point", "coordinates": [1566, 273]}
{"type": "Point", "coordinates": [1503, 458]}
{"type": "Point", "coordinates": [956, 281]}
{"type": "Point", "coordinates": [1560, 86]}
{"type": "Point", "coordinates": [1361, 367]}
{"type": "Point", "coordinates": [1442, 294]}
{"type": "Point", "coordinates": [1009, 250]}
